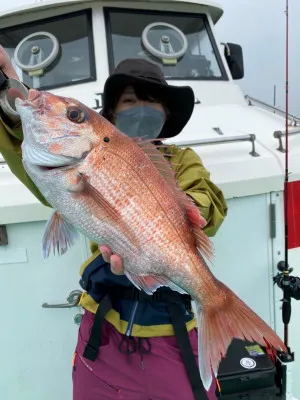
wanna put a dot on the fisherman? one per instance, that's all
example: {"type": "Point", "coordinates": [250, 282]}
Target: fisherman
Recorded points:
{"type": "Point", "coordinates": [131, 345]}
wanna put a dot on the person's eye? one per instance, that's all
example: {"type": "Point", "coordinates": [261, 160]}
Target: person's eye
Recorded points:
{"type": "Point", "coordinates": [128, 99]}
{"type": "Point", "coordinates": [152, 100]}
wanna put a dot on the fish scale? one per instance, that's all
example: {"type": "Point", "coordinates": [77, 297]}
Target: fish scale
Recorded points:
{"type": "Point", "coordinates": [140, 205]}
{"type": "Point", "coordinates": [122, 192]}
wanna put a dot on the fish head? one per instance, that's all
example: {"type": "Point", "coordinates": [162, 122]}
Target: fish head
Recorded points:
{"type": "Point", "coordinates": [57, 131]}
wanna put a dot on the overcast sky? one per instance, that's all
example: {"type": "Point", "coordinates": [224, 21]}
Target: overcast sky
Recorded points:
{"type": "Point", "coordinates": [259, 26]}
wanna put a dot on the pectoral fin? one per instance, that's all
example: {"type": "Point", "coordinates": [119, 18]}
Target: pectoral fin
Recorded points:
{"type": "Point", "coordinates": [110, 211]}
{"type": "Point", "coordinates": [59, 235]}
{"type": "Point", "coordinates": [103, 210]}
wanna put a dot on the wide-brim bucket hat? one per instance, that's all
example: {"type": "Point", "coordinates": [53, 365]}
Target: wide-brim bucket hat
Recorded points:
{"type": "Point", "coordinates": [179, 100]}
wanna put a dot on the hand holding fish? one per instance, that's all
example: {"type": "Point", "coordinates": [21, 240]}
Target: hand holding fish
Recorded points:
{"type": "Point", "coordinates": [115, 261]}
{"type": "Point", "coordinates": [13, 90]}
{"type": "Point", "coordinates": [6, 65]}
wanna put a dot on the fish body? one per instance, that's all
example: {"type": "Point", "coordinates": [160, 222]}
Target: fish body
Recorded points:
{"type": "Point", "coordinates": [123, 193]}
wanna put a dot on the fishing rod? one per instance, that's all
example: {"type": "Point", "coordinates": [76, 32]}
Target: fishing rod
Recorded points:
{"type": "Point", "coordinates": [289, 284]}
{"type": "Point", "coordinates": [286, 306]}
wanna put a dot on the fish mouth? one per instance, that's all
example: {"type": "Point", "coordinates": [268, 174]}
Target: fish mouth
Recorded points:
{"type": "Point", "coordinates": [71, 164]}
{"type": "Point", "coordinates": [44, 169]}
{"type": "Point", "coordinates": [33, 100]}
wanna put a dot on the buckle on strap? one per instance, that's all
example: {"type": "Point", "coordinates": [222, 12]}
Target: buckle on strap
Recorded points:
{"type": "Point", "coordinates": [140, 295]}
{"type": "Point", "coordinates": [164, 295]}
{"type": "Point", "coordinates": [90, 352]}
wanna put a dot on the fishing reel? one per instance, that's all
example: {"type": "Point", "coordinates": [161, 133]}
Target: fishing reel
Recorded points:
{"type": "Point", "coordinates": [290, 285]}
{"type": "Point", "coordinates": [10, 89]}
{"type": "Point", "coordinates": [287, 282]}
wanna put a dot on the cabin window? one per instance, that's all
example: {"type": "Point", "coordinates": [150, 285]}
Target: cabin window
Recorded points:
{"type": "Point", "coordinates": [157, 36]}
{"type": "Point", "coordinates": [73, 57]}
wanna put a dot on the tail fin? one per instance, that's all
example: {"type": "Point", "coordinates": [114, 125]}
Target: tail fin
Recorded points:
{"type": "Point", "coordinates": [218, 326]}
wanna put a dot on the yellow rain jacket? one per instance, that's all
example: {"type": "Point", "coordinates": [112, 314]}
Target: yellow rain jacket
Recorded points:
{"type": "Point", "coordinates": [193, 179]}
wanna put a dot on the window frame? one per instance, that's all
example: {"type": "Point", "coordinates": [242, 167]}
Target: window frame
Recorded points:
{"type": "Point", "coordinates": [109, 45]}
{"type": "Point", "coordinates": [90, 34]}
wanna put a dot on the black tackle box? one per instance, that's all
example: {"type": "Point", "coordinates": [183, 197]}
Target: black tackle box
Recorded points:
{"type": "Point", "coordinates": [247, 372]}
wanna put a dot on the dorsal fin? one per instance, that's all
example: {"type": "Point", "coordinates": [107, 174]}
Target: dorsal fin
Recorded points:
{"type": "Point", "coordinates": [158, 160]}
{"type": "Point", "coordinates": [193, 215]}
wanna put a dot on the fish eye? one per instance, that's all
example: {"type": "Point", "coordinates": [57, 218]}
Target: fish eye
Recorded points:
{"type": "Point", "coordinates": [75, 114]}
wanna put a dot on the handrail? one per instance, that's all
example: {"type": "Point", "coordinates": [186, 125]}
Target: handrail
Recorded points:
{"type": "Point", "coordinates": [223, 140]}
{"type": "Point", "coordinates": [292, 117]}
{"type": "Point", "coordinates": [279, 134]}
{"type": "Point", "coordinates": [220, 140]}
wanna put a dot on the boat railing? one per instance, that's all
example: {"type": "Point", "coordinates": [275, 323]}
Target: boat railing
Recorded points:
{"type": "Point", "coordinates": [279, 134]}
{"type": "Point", "coordinates": [222, 140]}
{"type": "Point", "coordinates": [293, 118]}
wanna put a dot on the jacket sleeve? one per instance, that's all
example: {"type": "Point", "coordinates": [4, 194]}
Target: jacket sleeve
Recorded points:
{"type": "Point", "coordinates": [194, 179]}
{"type": "Point", "coordinates": [10, 148]}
